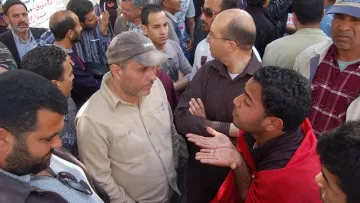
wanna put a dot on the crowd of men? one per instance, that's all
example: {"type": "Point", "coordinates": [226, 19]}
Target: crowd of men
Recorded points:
{"type": "Point", "coordinates": [154, 101]}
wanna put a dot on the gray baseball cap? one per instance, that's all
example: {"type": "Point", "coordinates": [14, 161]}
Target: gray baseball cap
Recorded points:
{"type": "Point", "coordinates": [133, 45]}
{"type": "Point", "coordinates": [349, 7]}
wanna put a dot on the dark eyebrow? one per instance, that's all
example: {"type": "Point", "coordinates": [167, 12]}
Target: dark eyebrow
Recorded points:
{"type": "Point", "coordinates": [247, 94]}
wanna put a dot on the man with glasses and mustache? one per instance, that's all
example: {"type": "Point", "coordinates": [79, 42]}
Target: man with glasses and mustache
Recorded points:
{"type": "Point", "coordinates": [66, 29]}
{"type": "Point", "coordinates": [210, 10]}
{"type": "Point", "coordinates": [333, 69]}
{"type": "Point", "coordinates": [129, 18]}
{"type": "Point", "coordinates": [33, 168]}
{"type": "Point", "coordinates": [207, 102]}
{"type": "Point", "coordinates": [21, 38]}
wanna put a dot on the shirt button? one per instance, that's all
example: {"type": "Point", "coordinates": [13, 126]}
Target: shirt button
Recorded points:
{"type": "Point", "coordinates": [253, 176]}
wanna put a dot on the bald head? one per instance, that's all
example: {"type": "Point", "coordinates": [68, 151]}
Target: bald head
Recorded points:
{"type": "Point", "coordinates": [236, 25]}
{"type": "Point", "coordinates": [61, 22]}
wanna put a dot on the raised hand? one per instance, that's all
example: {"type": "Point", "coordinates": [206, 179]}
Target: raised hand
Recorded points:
{"type": "Point", "coordinates": [218, 140]}
{"type": "Point", "coordinates": [197, 107]}
{"type": "Point", "coordinates": [104, 22]}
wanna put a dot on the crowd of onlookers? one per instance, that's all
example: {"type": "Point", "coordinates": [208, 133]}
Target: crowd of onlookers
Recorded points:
{"type": "Point", "coordinates": [195, 101]}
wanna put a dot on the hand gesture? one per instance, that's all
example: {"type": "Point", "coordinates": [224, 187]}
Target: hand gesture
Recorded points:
{"type": "Point", "coordinates": [189, 44]}
{"type": "Point", "coordinates": [218, 140]}
{"type": "Point", "coordinates": [223, 157]}
{"type": "Point", "coordinates": [197, 107]}
{"type": "Point", "coordinates": [104, 21]}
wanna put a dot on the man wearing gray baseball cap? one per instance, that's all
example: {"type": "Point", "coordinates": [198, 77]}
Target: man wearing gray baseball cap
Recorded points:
{"type": "Point", "coordinates": [333, 69]}
{"type": "Point", "coordinates": [126, 136]}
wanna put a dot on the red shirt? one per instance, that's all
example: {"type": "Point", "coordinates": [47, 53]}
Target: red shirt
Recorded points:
{"type": "Point", "coordinates": [295, 183]}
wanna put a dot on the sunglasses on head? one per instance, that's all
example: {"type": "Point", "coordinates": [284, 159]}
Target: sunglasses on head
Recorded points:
{"type": "Point", "coordinates": [208, 12]}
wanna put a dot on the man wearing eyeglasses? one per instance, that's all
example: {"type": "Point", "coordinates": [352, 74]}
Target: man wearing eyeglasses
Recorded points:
{"type": "Point", "coordinates": [208, 100]}
{"type": "Point", "coordinates": [129, 18]}
{"type": "Point", "coordinates": [30, 172]}
{"type": "Point", "coordinates": [210, 10]}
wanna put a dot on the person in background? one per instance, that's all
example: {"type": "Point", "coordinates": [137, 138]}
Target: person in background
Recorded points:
{"type": "Point", "coordinates": [207, 102]}
{"type": "Point", "coordinates": [278, 12]}
{"type": "Point", "coordinates": [7, 61]}
{"type": "Point", "coordinates": [283, 52]}
{"type": "Point", "coordinates": [66, 28]}
{"type": "Point", "coordinates": [339, 150]}
{"type": "Point", "coordinates": [266, 29]}
{"type": "Point", "coordinates": [333, 69]}
{"type": "Point", "coordinates": [52, 63]}
{"type": "Point", "coordinates": [211, 9]}
{"type": "Point", "coordinates": [326, 21]}
{"type": "Point", "coordinates": [170, 7]}
{"type": "Point", "coordinates": [3, 24]}
{"type": "Point", "coordinates": [129, 18]}
{"type": "Point", "coordinates": [21, 38]}
{"type": "Point", "coordinates": [276, 145]}
{"type": "Point", "coordinates": [33, 167]}
{"type": "Point", "coordinates": [94, 39]}
{"type": "Point", "coordinates": [155, 26]}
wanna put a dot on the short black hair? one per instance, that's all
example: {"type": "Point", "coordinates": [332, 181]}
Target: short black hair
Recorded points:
{"type": "Point", "coordinates": [241, 34]}
{"type": "Point", "coordinates": [150, 8]}
{"type": "Point", "coordinates": [286, 94]}
{"type": "Point", "coordinates": [339, 151]}
{"type": "Point", "coordinates": [62, 27]}
{"type": "Point", "coordinates": [228, 4]}
{"type": "Point", "coordinates": [80, 8]}
{"type": "Point", "coordinates": [46, 61]}
{"type": "Point", "coordinates": [308, 11]}
{"type": "Point", "coordinates": [22, 95]}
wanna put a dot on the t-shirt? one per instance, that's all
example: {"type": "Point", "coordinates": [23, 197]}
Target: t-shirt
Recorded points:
{"type": "Point", "coordinates": [177, 61]}
{"type": "Point", "coordinates": [187, 10]}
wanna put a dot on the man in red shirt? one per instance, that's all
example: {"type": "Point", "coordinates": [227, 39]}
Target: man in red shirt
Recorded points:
{"type": "Point", "coordinates": [275, 159]}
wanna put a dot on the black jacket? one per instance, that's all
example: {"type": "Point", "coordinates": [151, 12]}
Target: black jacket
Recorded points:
{"type": "Point", "coordinates": [14, 191]}
{"type": "Point", "coordinates": [8, 39]}
{"type": "Point", "coordinates": [266, 29]}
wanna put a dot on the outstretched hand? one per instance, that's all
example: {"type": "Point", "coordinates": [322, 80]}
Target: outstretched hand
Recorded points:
{"type": "Point", "coordinates": [218, 140]}
{"type": "Point", "coordinates": [223, 157]}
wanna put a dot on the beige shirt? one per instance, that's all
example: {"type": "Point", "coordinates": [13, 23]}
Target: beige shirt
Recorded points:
{"type": "Point", "coordinates": [283, 52]}
{"type": "Point", "coordinates": [127, 149]}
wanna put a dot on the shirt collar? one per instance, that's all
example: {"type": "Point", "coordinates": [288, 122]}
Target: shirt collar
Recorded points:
{"type": "Point", "coordinates": [250, 69]}
{"type": "Point", "coordinates": [68, 51]}
{"type": "Point", "coordinates": [109, 96]}
{"type": "Point", "coordinates": [19, 40]}
{"type": "Point", "coordinates": [24, 178]}
{"type": "Point", "coordinates": [171, 16]}
{"type": "Point", "coordinates": [310, 31]}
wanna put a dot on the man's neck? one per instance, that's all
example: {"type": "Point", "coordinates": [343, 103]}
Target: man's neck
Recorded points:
{"type": "Point", "coordinates": [299, 26]}
{"type": "Point", "coordinates": [116, 89]}
{"type": "Point", "coordinates": [160, 47]}
{"type": "Point", "coordinates": [237, 63]}
{"type": "Point", "coordinates": [24, 36]}
{"type": "Point", "coordinates": [136, 21]}
{"type": "Point", "coordinates": [263, 137]}
{"type": "Point", "coordinates": [349, 55]}
{"type": "Point", "coordinates": [66, 44]}
{"type": "Point", "coordinates": [169, 11]}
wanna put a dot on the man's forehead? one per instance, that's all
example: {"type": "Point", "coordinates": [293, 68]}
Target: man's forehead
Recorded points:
{"type": "Point", "coordinates": [213, 4]}
{"type": "Point", "coordinates": [17, 8]}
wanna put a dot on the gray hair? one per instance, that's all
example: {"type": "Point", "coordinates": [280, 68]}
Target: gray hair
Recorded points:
{"type": "Point", "coordinates": [138, 3]}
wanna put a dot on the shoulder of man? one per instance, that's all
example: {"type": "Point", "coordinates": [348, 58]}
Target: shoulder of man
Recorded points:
{"type": "Point", "coordinates": [37, 32]}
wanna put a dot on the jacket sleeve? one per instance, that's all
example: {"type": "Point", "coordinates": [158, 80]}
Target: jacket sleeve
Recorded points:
{"type": "Point", "coordinates": [85, 83]}
{"type": "Point", "coordinates": [97, 161]}
{"type": "Point", "coordinates": [187, 123]}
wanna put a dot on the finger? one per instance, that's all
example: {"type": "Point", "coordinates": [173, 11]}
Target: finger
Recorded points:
{"type": "Point", "coordinates": [206, 151]}
{"type": "Point", "coordinates": [191, 111]}
{"type": "Point", "coordinates": [211, 131]}
{"type": "Point", "coordinates": [214, 162]}
{"type": "Point", "coordinates": [201, 104]}
{"type": "Point", "coordinates": [195, 103]}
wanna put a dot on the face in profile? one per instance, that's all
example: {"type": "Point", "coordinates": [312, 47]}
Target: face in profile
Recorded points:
{"type": "Point", "coordinates": [329, 189]}
{"type": "Point", "coordinates": [31, 153]}
{"type": "Point", "coordinates": [91, 21]}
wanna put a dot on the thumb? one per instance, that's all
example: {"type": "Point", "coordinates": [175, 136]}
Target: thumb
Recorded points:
{"type": "Point", "coordinates": [211, 131]}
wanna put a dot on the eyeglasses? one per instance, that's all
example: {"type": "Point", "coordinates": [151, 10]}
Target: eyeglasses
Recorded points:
{"type": "Point", "coordinates": [70, 180]}
{"type": "Point", "coordinates": [211, 36]}
{"type": "Point", "coordinates": [208, 12]}
{"type": "Point", "coordinates": [125, 10]}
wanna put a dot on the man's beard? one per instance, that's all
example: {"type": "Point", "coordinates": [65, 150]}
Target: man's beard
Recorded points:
{"type": "Point", "coordinates": [20, 162]}
{"type": "Point", "coordinates": [76, 38]}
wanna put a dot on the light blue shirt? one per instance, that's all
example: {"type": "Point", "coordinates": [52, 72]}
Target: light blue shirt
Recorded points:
{"type": "Point", "coordinates": [22, 46]}
{"type": "Point", "coordinates": [325, 24]}
{"type": "Point", "coordinates": [345, 64]}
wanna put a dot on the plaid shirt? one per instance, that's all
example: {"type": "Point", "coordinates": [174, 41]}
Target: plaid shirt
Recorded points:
{"type": "Point", "coordinates": [332, 92]}
{"type": "Point", "coordinates": [91, 48]}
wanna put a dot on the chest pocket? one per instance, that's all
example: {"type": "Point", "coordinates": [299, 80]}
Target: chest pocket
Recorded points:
{"type": "Point", "coordinates": [130, 145]}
